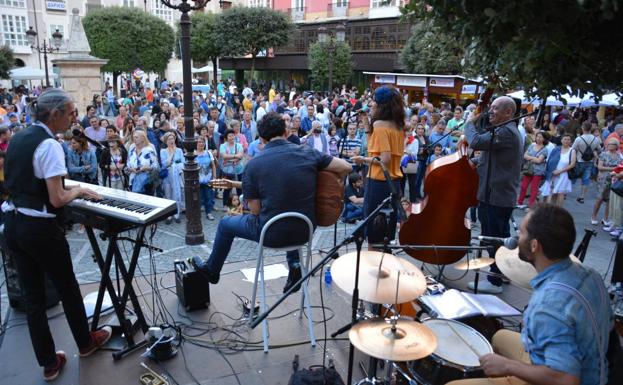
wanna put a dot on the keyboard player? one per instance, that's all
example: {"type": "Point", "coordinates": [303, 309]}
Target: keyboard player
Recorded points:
{"type": "Point", "coordinates": [34, 167]}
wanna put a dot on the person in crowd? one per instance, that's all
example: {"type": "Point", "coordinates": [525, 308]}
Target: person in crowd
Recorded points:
{"type": "Point", "coordinates": [334, 140]}
{"type": "Point", "coordinates": [353, 198]}
{"type": "Point", "coordinates": [586, 147]}
{"type": "Point", "coordinates": [232, 166]}
{"type": "Point", "coordinates": [282, 169]}
{"type": "Point", "coordinates": [316, 139]}
{"type": "Point", "coordinates": [172, 160]}
{"type": "Point", "coordinates": [207, 172]}
{"type": "Point", "coordinates": [308, 119]}
{"type": "Point", "coordinates": [212, 138]}
{"type": "Point", "coordinates": [296, 125]}
{"type": "Point", "coordinates": [293, 131]}
{"type": "Point", "coordinates": [81, 161]}
{"type": "Point", "coordinates": [219, 123]}
{"type": "Point", "coordinates": [440, 137]}
{"type": "Point", "coordinates": [386, 142]}
{"type": "Point", "coordinates": [5, 137]}
{"type": "Point", "coordinates": [557, 182]}
{"type": "Point", "coordinates": [615, 205]}
{"type": "Point", "coordinates": [422, 156]}
{"type": "Point", "coordinates": [533, 170]}
{"type": "Point", "coordinates": [91, 113]}
{"type": "Point", "coordinates": [35, 165]}
{"type": "Point", "coordinates": [116, 158]}
{"type": "Point", "coordinates": [409, 159]}
{"type": "Point", "coordinates": [142, 163]}
{"type": "Point", "coordinates": [248, 127]}
{"type": "Point", "coordinates": [437, 153]}
{"type": "Point", "coordinates": [558, 344]}
{"type": "Point", "coordinates": [608, 160]}
{"type": "Point", "coordinates": [497, 190]}
{"type": "Point", "coordinates": [455, 125]}
{"type": "Point", "coordinates": [120, 120]}
{"type": "Point", "coordinates": [240, 138]}
{"type": "Point", "coordinates": [234, 206]}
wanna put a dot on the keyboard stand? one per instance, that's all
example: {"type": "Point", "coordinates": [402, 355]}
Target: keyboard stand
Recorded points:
{"type": "Point", "coordinates": [119, 302]}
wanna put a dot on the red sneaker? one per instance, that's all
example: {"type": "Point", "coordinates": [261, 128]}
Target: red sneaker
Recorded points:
{"type": "Point", "coordinates": [51, 372]}
{"type": "Point", "coordinates": [98, 339]}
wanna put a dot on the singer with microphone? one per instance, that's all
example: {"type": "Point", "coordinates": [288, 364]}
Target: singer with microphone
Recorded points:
{"type": "Point", "coordinates": [385, 150]}
{"type": "Point", "coordinates": [498, 170]}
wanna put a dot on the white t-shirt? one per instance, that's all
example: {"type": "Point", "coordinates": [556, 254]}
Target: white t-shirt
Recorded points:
{"type": "Point", "coordinates": [48, 161]}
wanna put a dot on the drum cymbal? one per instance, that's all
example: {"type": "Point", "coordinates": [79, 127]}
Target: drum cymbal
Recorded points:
{"type": "Point", "coordinates": [410, 341]}
{"type": "Point", "coordinates": [379, 286]}
{"type": "Point", "coordinates": [473, 264]}
{"type": "Point", "coordinates": [518, 271]}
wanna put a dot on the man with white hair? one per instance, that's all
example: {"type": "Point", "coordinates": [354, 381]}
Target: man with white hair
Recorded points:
{"type": "Point", "coordinates": [498, 169]}
{"type": "Point", "coordinates": [35, 166]}
{"type": "Point", "coordinates": [316, 138]}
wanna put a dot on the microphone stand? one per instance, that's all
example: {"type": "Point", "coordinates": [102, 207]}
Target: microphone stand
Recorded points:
{"type": "Point", "coordinates": [340, 145]}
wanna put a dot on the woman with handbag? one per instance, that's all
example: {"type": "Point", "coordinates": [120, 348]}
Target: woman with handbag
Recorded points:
{"type": "Point", "coordinates": [607, 161]}
{"type": "Point", "coordinates": [171, 164]}
{"type": "Point", "coordinates": [533, 169]}
{"type": "Point", "coordinates": [557, 182]}
{"type": "Point", "coordinates": [231, 155]}
{"type": "Point", "coordinates": [616, 201]}
{"type": "Point", "coordinates": [142, 161]}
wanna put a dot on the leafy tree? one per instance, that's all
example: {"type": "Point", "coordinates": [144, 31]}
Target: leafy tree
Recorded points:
{"type": "Point", "coordinates": [203, 45]}
{"type": "Point", "coordinates": [431, 51]}
{"type": "Point", "coordinates": [129, 38]}
{"type": "Point", "coordinates": [549, 46]}
{"type": "Point", "coordinates": [249, 31]}
{"type": "Point", "coordinates": [318, 57]}
{"type": "Point", "coordinates": [6, 61]}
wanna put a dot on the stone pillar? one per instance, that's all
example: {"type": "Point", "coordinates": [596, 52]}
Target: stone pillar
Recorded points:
{"type": "Point", "coordinates": [79, 71]}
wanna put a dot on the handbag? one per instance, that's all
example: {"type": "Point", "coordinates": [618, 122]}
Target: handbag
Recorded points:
{"type": "Point", "coordinates": [163, 173]}
{"type": "Point", "coordinates": [617, 187]}
{"type": "Point", "coordinates": [527, 168]}
{"type": "Point", "coordinates": [410, 168]}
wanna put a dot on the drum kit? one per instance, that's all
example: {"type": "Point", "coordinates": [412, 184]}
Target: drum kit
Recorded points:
{"type": "Point", "coordinates": [431, 351]}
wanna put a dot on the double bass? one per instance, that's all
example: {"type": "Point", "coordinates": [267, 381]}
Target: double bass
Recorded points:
{"type": "Point", "coordinates": [450, 188]}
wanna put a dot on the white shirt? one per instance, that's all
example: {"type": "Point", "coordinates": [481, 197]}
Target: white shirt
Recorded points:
{"type": "Point", "coordinates": [260, 114]}
{"type": "Point", "coordinates": [48, 161]}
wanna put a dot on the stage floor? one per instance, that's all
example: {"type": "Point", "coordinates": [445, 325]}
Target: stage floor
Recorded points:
{"type": "Point", "coordinates": [219, 327]}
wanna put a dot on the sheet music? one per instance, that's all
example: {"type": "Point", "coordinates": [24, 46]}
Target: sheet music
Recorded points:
{"type": "Point", "coordinates": [454, 304]}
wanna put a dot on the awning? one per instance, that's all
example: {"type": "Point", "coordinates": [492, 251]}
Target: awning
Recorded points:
{"type": "Point", "coordinates": [608, 100]}
{"type": "Point", "coordinates": [29, 73]}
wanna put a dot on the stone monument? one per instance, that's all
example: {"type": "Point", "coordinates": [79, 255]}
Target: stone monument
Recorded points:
{"type": "Point", "coordinates": [79, 71]}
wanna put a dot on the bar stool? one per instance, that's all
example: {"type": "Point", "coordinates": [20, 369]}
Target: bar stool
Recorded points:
{"type": "Point", "coordinates": [305, 265]}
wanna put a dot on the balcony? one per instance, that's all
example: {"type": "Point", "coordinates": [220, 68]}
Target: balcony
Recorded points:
{"type": "Point", "coordinates": [337, 9]}
{"type": "Point", "coordinates": [297, 13]}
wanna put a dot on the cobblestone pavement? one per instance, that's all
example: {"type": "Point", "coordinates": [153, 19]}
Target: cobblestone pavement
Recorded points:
{"type": "Point", "coordinates": [170, 238]}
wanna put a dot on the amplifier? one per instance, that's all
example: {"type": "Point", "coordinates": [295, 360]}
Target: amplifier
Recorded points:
{"type": "Point", "coordinates": [192, 287]}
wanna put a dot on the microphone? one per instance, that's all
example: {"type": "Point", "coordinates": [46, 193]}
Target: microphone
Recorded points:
{"type": "Point", "coordinates": [510, 243]}
{"type": "Point", "coordinates": [400, 212]}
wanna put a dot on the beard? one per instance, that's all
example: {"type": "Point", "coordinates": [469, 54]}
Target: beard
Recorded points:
{"type": "Point", "coordinates": [525, 254]}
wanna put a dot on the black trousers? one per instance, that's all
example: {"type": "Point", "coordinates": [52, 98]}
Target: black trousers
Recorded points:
{"type": "Point", "coordinates": [495, 222]}
{"type": "Point", "coordinates": [617, 270]}
{"type": "Point", "coordinates": [38, 246]}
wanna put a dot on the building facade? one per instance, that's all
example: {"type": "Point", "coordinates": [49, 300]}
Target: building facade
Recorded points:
{"type": "Point", "coordinates": [373, 31]}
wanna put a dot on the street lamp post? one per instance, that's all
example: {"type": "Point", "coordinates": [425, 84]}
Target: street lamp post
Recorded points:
{"type": "Point", "coordinates": [327, 37]}
{"type": "Point", "coordinates": [55, 45]}
{"type": "Point", "coordinates": [194, 229]}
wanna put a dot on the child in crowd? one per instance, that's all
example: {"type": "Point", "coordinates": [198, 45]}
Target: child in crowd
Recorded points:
{"type": "Point", "coordinates": [353, 199]}
{"type": "Point", "coordinates": [234, 206]}
{"type": "Point", "coordinates": [437, 153]}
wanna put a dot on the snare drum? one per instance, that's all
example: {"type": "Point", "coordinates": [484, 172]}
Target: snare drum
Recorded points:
{"type": "Point", "coordinates": [455, 356]}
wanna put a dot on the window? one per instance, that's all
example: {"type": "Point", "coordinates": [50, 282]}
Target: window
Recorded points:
{"type": "Point", "coordinates": [259, 3]}
{"type": "Point", "coordinates": [383, 3]}
{"type": "Point", "coordinates": [340, 3]}
{"type": "Point", "coordinates": [14, 30]}
{"type": "Point", "coordinates": [53, 27]}
{"type": "Point", "coordinates": [14, 3]}
{"type": "Point", "coordinates": [128, 3]}
{"type": "Point", "coordinates": [298, 4]}
{"type": "Point", "coordinates": [162, 11]}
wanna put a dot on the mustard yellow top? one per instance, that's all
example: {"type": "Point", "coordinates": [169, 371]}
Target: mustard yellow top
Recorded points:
{"type": "Point", "coordinates": [386, 139]}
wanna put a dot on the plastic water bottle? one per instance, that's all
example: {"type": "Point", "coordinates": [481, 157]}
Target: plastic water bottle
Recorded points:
{"type": "Point", "coordinates": [327, 276]}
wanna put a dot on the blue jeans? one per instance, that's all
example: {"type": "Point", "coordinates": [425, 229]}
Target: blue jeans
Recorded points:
{"type": "Point", "coordinates": [584, 169]}
{"type": "Point", "coordinates": [206, 197]}
{"type": "Point", "coordinates": [494, 222]}
{"type": "Point", "coordinates": [352, 212]}
{"type": "Point", "coordinates": [243, 226]}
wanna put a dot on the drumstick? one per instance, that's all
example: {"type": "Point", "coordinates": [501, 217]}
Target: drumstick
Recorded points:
{"type": "Point", "coordinates": [473, 349]}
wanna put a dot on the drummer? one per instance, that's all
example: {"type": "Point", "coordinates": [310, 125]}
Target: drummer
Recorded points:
{"type": "Point", "coordinates": [559, 337]}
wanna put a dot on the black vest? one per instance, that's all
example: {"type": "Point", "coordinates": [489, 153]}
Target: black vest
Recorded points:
{"type": "Point", "coordinates": [26, 190]}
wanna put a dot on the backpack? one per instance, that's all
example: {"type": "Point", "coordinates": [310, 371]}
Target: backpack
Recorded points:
{"type": "Point", "coordinates": [588, 154]}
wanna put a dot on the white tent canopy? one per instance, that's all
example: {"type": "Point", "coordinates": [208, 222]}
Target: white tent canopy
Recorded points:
{"type": "Point", "coordinates": [29, 73]}
{"type": "Point", "coordinates": [608, 100]}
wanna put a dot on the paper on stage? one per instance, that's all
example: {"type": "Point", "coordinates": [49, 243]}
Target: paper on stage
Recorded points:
{"type": "Point", "coordinates": [275, 271]}
{"type": "Point", "coordinates": [455, 304]}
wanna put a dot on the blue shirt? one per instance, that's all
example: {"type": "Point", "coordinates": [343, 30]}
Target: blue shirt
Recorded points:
{"type": "Point", "coordinates": [283, 178]}
{"type": "Point", "coordinates": [254, 148]}
{"type": "Point", "coordinates": [557, 330]}
{"type": "Point", "coordinates": [446, 143]}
